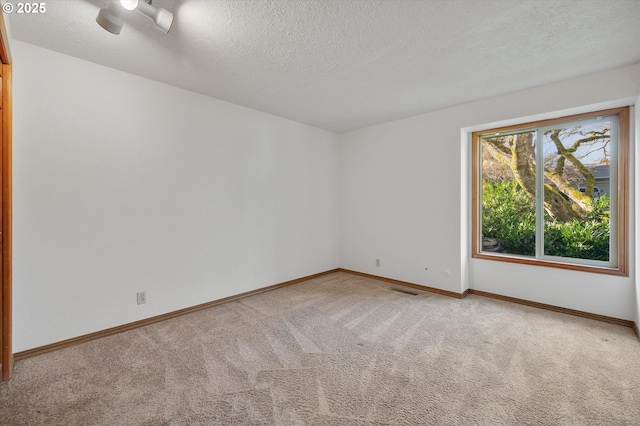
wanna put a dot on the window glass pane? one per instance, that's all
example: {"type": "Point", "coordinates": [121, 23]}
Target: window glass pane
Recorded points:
{"type": "Point", "coordinates": [577, 176]}
{"type": "Point", "coordinates": [508, 207]}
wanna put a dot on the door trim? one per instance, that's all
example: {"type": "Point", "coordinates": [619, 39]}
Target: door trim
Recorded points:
{"type": "Point", "coordinates": [6, 353]}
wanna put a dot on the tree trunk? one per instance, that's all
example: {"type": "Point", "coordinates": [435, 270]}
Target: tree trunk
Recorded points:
{"type": "Point", "coordinates": [522, 163]}
{"type": "Point", "coordinates": [582, 198]}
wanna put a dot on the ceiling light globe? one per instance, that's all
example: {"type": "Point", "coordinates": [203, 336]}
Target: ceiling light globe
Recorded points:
{"type": "Point", "coordinates": [110, 20]}
{"type": "Point", "coordinates": [161, 17]}
{"type": "Point", "coordinates": [164, 20]}
{"type": "Point", "coordinates": [129, 4]}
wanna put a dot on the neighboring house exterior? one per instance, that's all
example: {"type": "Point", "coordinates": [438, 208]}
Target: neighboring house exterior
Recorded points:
{"type": "Point", "coordinates": [602, 175]}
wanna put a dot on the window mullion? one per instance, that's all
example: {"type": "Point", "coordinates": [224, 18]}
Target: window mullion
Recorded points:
{"type": "Point", "coordinates": [539, 194]}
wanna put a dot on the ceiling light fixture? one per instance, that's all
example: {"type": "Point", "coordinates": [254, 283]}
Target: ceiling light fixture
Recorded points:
{"type": "Point", "coordinates": [110, 18]}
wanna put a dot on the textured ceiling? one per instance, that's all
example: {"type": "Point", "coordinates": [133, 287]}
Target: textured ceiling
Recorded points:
{"type": "Point", "coordinates": [343, 65]}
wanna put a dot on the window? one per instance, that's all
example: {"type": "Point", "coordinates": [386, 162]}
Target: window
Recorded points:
{"type": "Point", "coordinates": [553, 192]}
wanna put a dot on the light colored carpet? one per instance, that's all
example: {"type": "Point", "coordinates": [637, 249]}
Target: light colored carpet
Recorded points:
{"type": "Point", "coordinates": [340, 350]}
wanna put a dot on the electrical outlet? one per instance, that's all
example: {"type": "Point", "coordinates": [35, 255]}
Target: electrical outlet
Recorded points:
{"type": "Point", "coordinates": [142, 297]}
{"type": "Point", "coordinates": [377, 262]}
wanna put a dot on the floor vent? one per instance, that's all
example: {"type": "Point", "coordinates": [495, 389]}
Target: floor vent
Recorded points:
{"type": "Point", "coordinates": [401, 290]}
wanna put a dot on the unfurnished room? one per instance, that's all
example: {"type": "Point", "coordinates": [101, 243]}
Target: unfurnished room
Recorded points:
{"type": "Point", "coordinates": [319, 212]}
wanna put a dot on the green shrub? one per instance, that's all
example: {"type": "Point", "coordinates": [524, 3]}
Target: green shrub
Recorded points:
{"type": "Point", "coordinates": [508, 215]}
{"type": "Point", "coordinates": [585, 238]}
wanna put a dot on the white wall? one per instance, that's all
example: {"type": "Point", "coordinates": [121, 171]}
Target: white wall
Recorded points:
{"type": "Point", "coordinates": [123, 184]}
{"type": "Point", "coordinates": [637, 206]}
{"type": "Point", "coordinates": [406, 186]}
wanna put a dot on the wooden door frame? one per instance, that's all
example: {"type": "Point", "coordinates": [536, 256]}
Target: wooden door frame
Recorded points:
{"type": "Point", "coordinates": [6, 353]}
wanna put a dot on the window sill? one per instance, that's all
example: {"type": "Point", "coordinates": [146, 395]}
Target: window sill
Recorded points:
{"type": "Point", "coordinates": [551, 264]}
